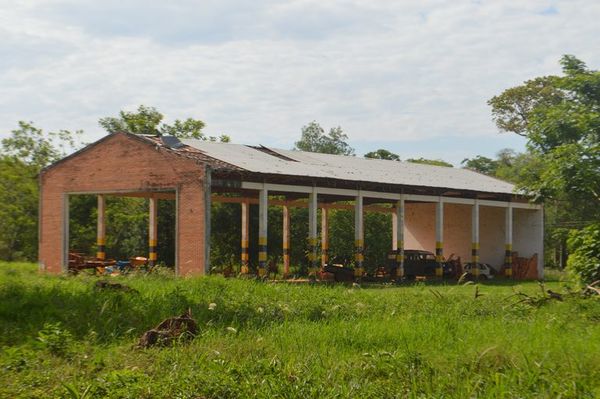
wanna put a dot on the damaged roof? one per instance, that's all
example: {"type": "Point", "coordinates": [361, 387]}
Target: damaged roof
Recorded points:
{"type": "Point", "coordinates": [274, 161]}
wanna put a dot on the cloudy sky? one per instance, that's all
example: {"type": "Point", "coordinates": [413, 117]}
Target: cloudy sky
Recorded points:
{"type": "Point", "coordinates": [409, 76]}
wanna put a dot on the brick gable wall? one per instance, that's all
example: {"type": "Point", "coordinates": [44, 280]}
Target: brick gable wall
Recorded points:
{"type": "Point", "coordinates": [122, 163]}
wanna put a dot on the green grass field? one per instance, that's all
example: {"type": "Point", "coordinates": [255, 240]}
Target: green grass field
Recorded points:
{"type": "Point", "coordinates": [61, 337]}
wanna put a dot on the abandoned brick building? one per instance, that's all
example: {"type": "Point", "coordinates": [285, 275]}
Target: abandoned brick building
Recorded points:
{"type": "Point", "coordinates": [442, 210]}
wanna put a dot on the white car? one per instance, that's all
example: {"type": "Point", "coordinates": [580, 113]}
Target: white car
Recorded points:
{"type": "Point", "coordinates": [485, 270]}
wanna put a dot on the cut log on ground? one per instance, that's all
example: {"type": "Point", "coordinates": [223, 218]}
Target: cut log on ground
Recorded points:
{"type": "Point", "coordinates": [182, 328]}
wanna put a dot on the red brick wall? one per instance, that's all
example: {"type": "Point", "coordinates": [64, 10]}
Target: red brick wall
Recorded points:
{"type": "Point", "coordinates": [123, 163]}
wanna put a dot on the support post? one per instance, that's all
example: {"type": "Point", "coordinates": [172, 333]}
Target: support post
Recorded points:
{"type": "Point", "coordinates": [324, 236]}
{"type": "Point", "coordinates": [244, 269]}
{"type": "Point", "coordinates": [358, 235]}
{"type": "Point", "coordinates": [263, 217]}
{"type": "Point", "coordinates": [152, 231]}
{"type": "Point", "coordinates": [312, 234]}
{"type": "Point", "coordinates": [439, 237]}
{"type": "Point", "coordinates": [508, 266]}
{"type": "Point", "coordinates": [286, 241]}
{"type": "Point", "coordinates": [475, 239]}
{"type": "Point", "coordinates": [101, 228]}
{"type": "Point", "coordinates": [399, 233]}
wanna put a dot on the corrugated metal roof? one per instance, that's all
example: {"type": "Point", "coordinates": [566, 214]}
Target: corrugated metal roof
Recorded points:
{"type": "Point", "coordinates": [349, 168]}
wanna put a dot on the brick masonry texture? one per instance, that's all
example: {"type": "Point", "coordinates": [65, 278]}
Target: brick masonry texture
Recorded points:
{"type": "Point", "coordinates": [120, 163]}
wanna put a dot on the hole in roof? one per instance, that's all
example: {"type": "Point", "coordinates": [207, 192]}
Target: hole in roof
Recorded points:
{"type": "Point", "coordinates": [271, 152]}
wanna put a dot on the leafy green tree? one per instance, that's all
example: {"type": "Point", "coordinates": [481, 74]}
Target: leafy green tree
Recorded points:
{"type": "Point", "coordinates": [382, 154]}
{"type": "Point", "coordinates": [584, 259]}
{"type": "Point", "coordinates": [22, 155]}
{"type": "Point", "coordinates": [435, 162]}
{"type": "Point", "coordinates": [560, 116]}
{"type": "Point", "coordinates": [481, 164]}
{"type": "Point", "coordinates": [512, 109]}
{"type": "Point", "coordinates": [36, 148]}
{"type": "Point", "coordinates": [18, 209]}
{"type": "Point", "coordinates": [148, 120]}
{"type": "Point", "coordinates": [314, 139]}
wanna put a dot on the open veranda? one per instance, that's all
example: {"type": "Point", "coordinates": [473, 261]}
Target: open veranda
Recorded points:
{"type": "Point", "coordinates": [61, 336]}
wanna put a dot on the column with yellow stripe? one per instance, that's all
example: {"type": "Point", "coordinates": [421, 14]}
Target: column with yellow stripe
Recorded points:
{"type": "Point", "coordinates": [101, 229]}
{"type": "Point", "coordinates": [439, 237]}
{"type": "Point", "coordinates": [324, 236]}
{"type": "Point", "coordinates": [400, 238]}
{"type": "Point", "coordinates": [244, 256]}
{"type": "Point", "coordinates": [508, 266]}
{"type": "Point", "coordinates": [312, 235]}
{"type": "Point", "coordinates": [286, 241]}
{"type": "Point", "coordinates": [358, 236]}
{"type": "Point", "coordinates": [263, 212]}
{"type": "Point", "coordinates": [475, 239]}
{"type": "Point", "coordinates": [152, 231]}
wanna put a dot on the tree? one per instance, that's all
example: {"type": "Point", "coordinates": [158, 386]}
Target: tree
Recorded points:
{"type": "Point", "coordinates": [314, 139]}
{"type": "Point", "coordinates": [36, 148]}
{"type": "Point", "coordinates": [148, 120]}
{"type": "Point", "coordinates": [382, 154]}
{"type": "Point", "coordinates": [584, 259]}
{"type": "Point", "coordinates": [560, 116]}
{"type": "Point", "coordinates": [512, 109]}
{"type": "Point", "coordinates": [22, 156]}
{"type": "Point", "coordinates": [481, 164]}
{"type": "Point", "coordinates": [562, 124]}
{"type": "Point", "coordinates": [435, 162]}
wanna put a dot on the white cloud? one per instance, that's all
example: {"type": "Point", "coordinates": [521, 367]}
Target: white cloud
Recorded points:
{"type": "Point", "coordinates": [387, 72]}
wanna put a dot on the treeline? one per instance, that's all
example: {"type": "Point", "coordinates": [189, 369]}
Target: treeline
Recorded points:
{"type": "Point", "coordinates": [559, 116]}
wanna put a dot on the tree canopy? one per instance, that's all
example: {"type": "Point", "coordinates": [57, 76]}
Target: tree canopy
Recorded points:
{"type": "Point", "coordinates": [560, 116]}
{"type": "Point", "coordinates": [148, 120]}
{"type": "Point", "coordinates": [314, 139]}
{"type": "Point", "coordinates": [382, 154]}
{"type": "Point", "coordinates": [435, 162]}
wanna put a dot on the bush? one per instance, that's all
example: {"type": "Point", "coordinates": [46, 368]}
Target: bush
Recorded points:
{"type": "Point", "coordinates": [584, 249]}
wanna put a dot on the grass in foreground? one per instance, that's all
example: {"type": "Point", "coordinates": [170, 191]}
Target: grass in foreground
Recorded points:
{"type": "Point", "coordinates": [60, 337]}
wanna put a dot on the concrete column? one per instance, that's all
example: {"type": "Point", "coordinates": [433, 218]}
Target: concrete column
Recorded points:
{"type": "Point", "coordinates": [324, 236]}
{"type": "Point", "coordinates": [399, 233]}
{"type": "Point", "coordinates": [245, 237]}
{"type": "Point", "coordinates": [540, 265]}
{"type": "Point", "coordinates": [312, 234]}
{"type": "Point", "coordinates": [439, 237]}
{"type": "Point", "coordinates": [263, 218]}
{"type": "Point", "coordinates": [286, 241]}
{"type": "Point", "coordinates": [101, 228]}
{"type": "Point", "coordinates": [475, 239]}
{"type": "Point", "coordinates": [152, 231]}
{"type": "Point", "coordinates": [508, 223]}
{"type": "Point", "coordinates": [359, 235]}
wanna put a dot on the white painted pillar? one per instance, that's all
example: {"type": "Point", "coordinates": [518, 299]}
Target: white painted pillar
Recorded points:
{"type": "Point", "coordinates": [400, 238]}
{"type": "Point", "coordinates": [540, 238]}
{"type": "Point", "coordinates": [324, 236]}
{"type": "Point", "coordinates": [152, 231]}
{"type": "Point", "coordinates": [245, 269]}
{"type": "Point", "coordinates": [475, 239]}
{"type": "Point", "coordinates": [439, 237]}
{"type": "Point", "coordinates": [312, 234]}
{"type": "Point", "coordinates": [359, 235]}
{"type": "Point", "coordinates": [101, 228]}
{"type": "Point", "coordinates": [286, 241]}
{"type": "Point", "coordinates": [508, 225]}
{"type": "Point", "coordinates": [263, 218]}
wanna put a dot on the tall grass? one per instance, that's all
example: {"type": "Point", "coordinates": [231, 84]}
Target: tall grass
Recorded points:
{"type": "Point", "coordinates": [61, 337]}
